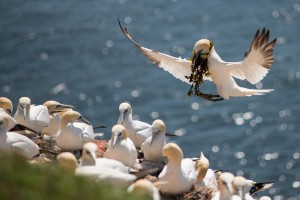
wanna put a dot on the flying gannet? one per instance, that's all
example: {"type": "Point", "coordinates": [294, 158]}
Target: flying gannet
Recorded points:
{"type": "Point", "coordinates": [255, 66]}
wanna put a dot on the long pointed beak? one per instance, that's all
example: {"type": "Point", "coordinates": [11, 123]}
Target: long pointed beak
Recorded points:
{"type": "Point", "coordinates": [83, 120]}
{"type": "Point", "coordinates": [115, 139]}
{"type": "Point", "coordinates": [230, 188]}
{"type": "Point", "coordinates": [93, 154]}
{"type": "Point", "coordinates": [24, 112]}
{"type": "Point", "coordinates": [241, 194]}
{"type": "Point", "coordinates": [199, 57]}
{"type": "Point", "coordinates": [172, 135]}
{"type": "Point", "coordinates": [153, 138]}
{"type": "Point", "coordinates": [121, 118]}
{"type": "Point", "coordinates": [62, 107]}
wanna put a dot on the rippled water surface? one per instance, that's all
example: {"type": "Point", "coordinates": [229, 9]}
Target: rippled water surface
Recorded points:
{"type": "Point", "coordinates": [75, 53]}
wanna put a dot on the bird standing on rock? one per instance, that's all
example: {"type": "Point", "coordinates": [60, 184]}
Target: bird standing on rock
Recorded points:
{"type": "Point", "coordinates": [121, 147]}
{"type": "Point", "coordinates": [72, 134]}
{"type": "Point", "coordinates": [206, 64]}
{"type": "Point", "coordinates": [134, 128]}
{"type": "Point", "coordinates": [35, 117]}
{"type": "Point", "coordinates": [179, 175]}
{"type": "Point", "coordinates": [12, 142]}
{"type": "Point", "coordinates": [153, 145]}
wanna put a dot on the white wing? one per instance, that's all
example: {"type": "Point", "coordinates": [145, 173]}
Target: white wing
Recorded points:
{"type": "Point", "coordinates": [258, 60]}
{"type": "Point", "coordinates": [178, 67]}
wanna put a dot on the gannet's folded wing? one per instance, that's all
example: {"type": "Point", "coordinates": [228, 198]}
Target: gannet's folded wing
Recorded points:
{"type": "Point", "coordinates": [178, 67]}
{"type": "Point", "coordinates": [258, 60]}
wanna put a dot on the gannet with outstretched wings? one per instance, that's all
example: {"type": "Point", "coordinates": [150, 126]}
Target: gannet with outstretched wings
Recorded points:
{"type": "Point", "coordinates": [255, 66]}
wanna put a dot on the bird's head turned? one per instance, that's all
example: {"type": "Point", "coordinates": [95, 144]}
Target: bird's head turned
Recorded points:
{"type": "Point", "coordinates": [204, 46]}
{"type": "Point", "coordinates": [158, 126]}
{"type": "Point", "coordinates": [173, 152]}
{"type": "Point", "coordinates": [6, 104]}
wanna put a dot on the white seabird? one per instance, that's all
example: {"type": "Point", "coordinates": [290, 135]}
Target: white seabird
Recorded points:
{"type": "Point", "coordinates": [121, 147]}
{"type": "Point", "coordinates": [68, 161]}
{"type": "Point", "coordinates": [201, 166]}
{"type": "Point", "coordinates": [145, 188]}
{"type": "Point", "coordinates": [89, 158]}
{"type": "Point", "coordinates": [225, 188]}
{"type": "Point", "coordinates": [255, 66]}
{"type": "Point", "coordinates": [179, 175]}
{"type": "Point", "coordinates": [153, 145]}
{"type": "Point", "coordinates": [242, 187]}
{"type": "Point", "coordinates": [35, 117]}
{"type": "Point", "coordinates": [72, 134]}
{"type": "Point", "coordinates": [134, 128]}
{"type": "Point", "coordinates": [55, 110]}
{"type": "Point", "coordinates": [12, 142]}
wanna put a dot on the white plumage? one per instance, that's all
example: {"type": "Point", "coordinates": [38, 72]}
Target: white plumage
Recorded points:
{"type": "Point", "coordinates": [178, 176]}
{"type": "Point", "coordinates": [136, 130]}
{"type": "Point", "coordinates": [35, 117]}
{"type": "Point", "coordinates": [12, 142]}
{"type": "Point", "coordinates": [153, 145]}
{"type": "Point", "coordinates": [74, 132]}
{"type": "Point", "coordinates": [253, 68]}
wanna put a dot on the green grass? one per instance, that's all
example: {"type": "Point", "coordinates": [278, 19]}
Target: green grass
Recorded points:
{"type": "Point", "coordinates": [22, 181]}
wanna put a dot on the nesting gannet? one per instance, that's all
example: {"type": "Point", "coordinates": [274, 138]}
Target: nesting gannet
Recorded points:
{"type": "Point", "coordinates": [35, 117]}
{"type": "Point", "coordinates": [201, 167]}
{"type": "Point", "coordinates": [55, 110]}
{"type": "Point", "coordinates": [107, 175]}
{"type": "Point", "coordinates": [241, 187]}
{"type": "Point", "coordinates": [134, 128]}
{"type": "Point", "coordinates": [120, 147]}
{"type": "Point", "coordinates": [225, 188]}
{"type": "Point", "coordinates": [153, 145]}
{"type": "Point", "coordinates": [72, 135]}
{"type": "Point", "coordinates": [89, 158]}
{"type": "Point", "coordinates": [145, 188]}
{"type": "Point", "coordinates": [178, 176]}
{"type": "Point", "coordinates": [255, 66]}
{"type": "Point", "coordinates": [16, 143]}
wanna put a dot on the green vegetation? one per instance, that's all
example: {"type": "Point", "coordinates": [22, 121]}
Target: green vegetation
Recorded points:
{"type": "Point", "coordinates": [20, 180]}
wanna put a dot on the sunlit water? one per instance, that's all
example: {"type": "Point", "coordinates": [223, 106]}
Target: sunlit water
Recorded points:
{"type": "Point", "coordinates": [75, 53]}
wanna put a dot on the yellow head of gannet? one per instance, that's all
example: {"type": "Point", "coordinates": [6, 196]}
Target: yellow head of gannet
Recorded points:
{"type": "Point", "coordinates": [72, 116]}
{"type": "Point", "coordinates": [118, 133]}
{"type": "Point", "coordinates": [89, 150]}
{"type": "Point", "coordinates": [226, 188]}
{"type": "Point", "coordinates": [24, 105]}
{"type": "Point", "coordinates": [125, 110]}
{"type": "Point", "coordinates": [67, 160]}
{"type": "Point", "coordinates": [158, 127]}
{"type": "Point", "coordinates": [144, 187]}
{"type": "Point", "coordinates": [54, 106]}
{"type": "Point", "coordinates": [173, 152]}
{"type": "Point", "coordinates": [7, 105]}
{"type": "Point", "coordinates": [204, 46]}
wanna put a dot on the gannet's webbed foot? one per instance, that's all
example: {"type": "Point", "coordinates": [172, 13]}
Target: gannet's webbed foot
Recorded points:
{"type": "Point", "coordinates": [209, 97]}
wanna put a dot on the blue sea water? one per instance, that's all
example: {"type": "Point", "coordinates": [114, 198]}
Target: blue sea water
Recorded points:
{"type": "Point", "coordinates": [75, 53]}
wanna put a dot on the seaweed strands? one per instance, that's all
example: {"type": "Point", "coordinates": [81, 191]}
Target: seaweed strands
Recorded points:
{"type": "Point", "coordinates": [200, 69]}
